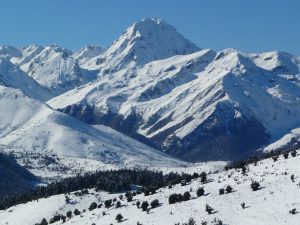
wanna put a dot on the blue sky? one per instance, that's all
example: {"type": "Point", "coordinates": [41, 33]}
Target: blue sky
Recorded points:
{"type": "Point", "coordinates": [250, 26]}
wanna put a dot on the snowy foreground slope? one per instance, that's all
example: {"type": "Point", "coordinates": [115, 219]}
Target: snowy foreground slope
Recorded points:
{"type": "Point", "coordinates": [51, 143]}
{"type": "Point", "coordinates": [270, 205]}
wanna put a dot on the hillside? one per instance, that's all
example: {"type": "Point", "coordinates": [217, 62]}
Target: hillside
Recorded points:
{"type": "Point", "coordinates": [13, 175]}
{"type": "Point", "coordinates": [52, 144]}
{"type": "Point", "coordinates": [198, 107]}
{"type": "Point", "coordinates": [271, 204]}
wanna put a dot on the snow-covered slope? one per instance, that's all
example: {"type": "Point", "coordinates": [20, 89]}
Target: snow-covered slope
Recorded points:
{"type": "Point", "coordinates": [12, 76]}
{"type": "Point", "coordinates": [200, 106]}
{"type": "Point", "coordinates": [143, 42]}
{"type": "Point", "coordinates": [88, 52]}
{"type": "Point", "coordinates": [43, 140]}
{"type": "Point", "coordinates": [52, 67]}
{"type": "Point", "coordinates": [269, 205]}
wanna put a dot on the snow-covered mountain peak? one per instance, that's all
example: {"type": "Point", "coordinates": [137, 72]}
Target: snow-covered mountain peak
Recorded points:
{"type": "Point", "coordinates": [278, 62]}
{"type": "Point", "coordinates": [143, 42]}
{"type": "Point", "coordinates": [12, 76]}
{"type": "Point", "coordinates": [87, 52]}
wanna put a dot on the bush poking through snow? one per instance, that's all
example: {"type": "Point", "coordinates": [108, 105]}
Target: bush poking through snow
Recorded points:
{"type": "Point", "coordinates": [119, 218]}
{"type": "Point", "coordinates": [118, 204]}
{"type": "Point", "coordinates": [138, 204]}
{"type": "Point", "coordinates": [144, 205]}
{"type": "Point", "coordinates": [76, 212]}
{"type": "Point", "coordinates": [203, 177]}
{"type": "Point", "coordinates": [209, 209]}
{"type": "Point", "coordinates": [243, 205]}
{"type": "Point", "coordinates": [293, 211]}
{"type": "Point", "coordinates": [186, 196]}
{"type": "Point", "coordinates": [221, 191]}
{"type": "Point", "coordinates": [69, 214]}
{"type": "Point", "coordinates": [229, 189]}
{"type": "Point", "coordinates": [200, 191]}
{"type": "Point", "coordinates": [108, 203]}
{"type": "Point", "coordinates": [44, 222]}
{"type": "Point", "coordinates": [154, 203]}
{"type": "Point", "coordinates": [93, 206]}
{"type": "Point", "coordinates": [255, 186]}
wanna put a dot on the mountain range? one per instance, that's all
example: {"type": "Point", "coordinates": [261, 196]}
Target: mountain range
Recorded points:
{"type": "Point", "coordinates": [150, 96]}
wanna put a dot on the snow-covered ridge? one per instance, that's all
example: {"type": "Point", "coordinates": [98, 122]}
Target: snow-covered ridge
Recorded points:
{"type": "Point", "coordinates": [181, 102]}
{"type": "Point", "coordinates": [34, 132]}
{"type": "Point", "coordinates": [143, 42]}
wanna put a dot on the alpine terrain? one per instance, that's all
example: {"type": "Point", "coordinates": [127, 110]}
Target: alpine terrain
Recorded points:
{"type": "Point", "coordinates": [150, 130]}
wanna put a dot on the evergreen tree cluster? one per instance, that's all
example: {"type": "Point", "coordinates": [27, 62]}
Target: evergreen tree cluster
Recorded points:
{"type": "Point", "coordinates": [111, 181]}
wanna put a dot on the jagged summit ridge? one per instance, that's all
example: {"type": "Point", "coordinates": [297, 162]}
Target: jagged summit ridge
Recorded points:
{"type": "Point", "coordinates": [144, 41]}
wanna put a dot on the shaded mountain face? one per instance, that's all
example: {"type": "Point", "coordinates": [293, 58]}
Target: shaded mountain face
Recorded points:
{"type": "Point", "coordinates": [13, 177]}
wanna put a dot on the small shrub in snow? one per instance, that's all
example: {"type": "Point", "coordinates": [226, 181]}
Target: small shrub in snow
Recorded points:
{"type": "Point", "coordinates": [63, 218]}
{"type": "Point", "coordinates": [203, 177]}
{"type": "Point", "coordinates": [129, 199]}
{"type": "Point", "coordinates": [275, 158]}
{"type": "Point", "coordinates": [138, 203]}
{"type": "Point", "coordinates": [76, 212]}
{"type": "Point", "coordinates": [200, 191]}
{"type": "Point", "coordinates": [154, 203]}
{"type": "Point", "coordinates": [44, 222]}
{"type": "Point", "coordinates": [293, 177]}
{"type": "Point", "coordinates": [172, 198]}
{"type": "Point", "coordinates": [69, 214]}
{"type": "Point", "coordinates": [118, 205]}
{"type": "Point", "coordinates": [229, 189]}
{"type": "Point", "coordinates": [255, 186]}
{"type": "Point", "coordinates": [108, 203]}
{"type": "Point", "coordinates": [244, 170]}
{"type": "Point", "coordinates": [144, 205]}
{"type": "Point", "coordinates": [243, 205]}
{"type": "Point", "coordinates": [191, 222]}
{"type": "Point", "coordinates": [195, 175]}
{"type": "Point", "coordinates": [293, 211]}
{"type": "Point", "coordinates": [119, 217]}
{"type": "Point", "coordinates": [286, 155]}
{"type": "Point", "coordinates": [294, 153]}
{"type": "Point", "coordinates": [221, 191]}
{"type": "Point", "coordinates": [186, 196]}
{"type": "Point", "coordinates": [209, 209]}
{"type": "Point", "coordinates": [93, 206]}
{"type": "Point", "coordinates": [54, 219]}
